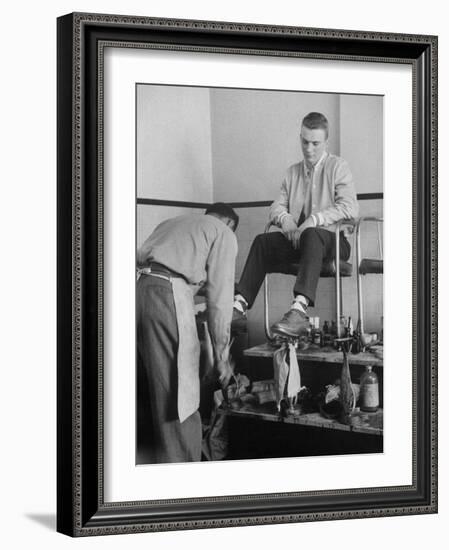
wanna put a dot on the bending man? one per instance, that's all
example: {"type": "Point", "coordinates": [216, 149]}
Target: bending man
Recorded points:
{"type": "Point", "coordinates": [181, 255]}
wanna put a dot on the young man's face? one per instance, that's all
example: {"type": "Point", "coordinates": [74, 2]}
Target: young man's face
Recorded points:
{"type": "Point", "coordinates": [313, 144]}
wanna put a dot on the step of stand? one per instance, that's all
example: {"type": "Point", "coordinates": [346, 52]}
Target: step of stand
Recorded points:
{"type": "Point", "coordinates": [316, 354]}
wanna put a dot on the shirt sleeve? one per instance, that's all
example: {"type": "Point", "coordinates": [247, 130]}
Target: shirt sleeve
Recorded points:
{"type": "Point", "coordinates": [345, 199]}
{"type": "Point", "coordinates": [143, 253]}
{"type": "Point", "coordinates": [279, 208]}
{"type": "Point", "coordinates": [220, 267]}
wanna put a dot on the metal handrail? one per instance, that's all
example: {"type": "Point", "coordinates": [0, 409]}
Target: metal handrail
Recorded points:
{"type": "Point", "coordinates": [353, 223]}
{"type": "Point", "coordinates": [359, 259]}
{"type": "Point", "coordinates": [268, 332]}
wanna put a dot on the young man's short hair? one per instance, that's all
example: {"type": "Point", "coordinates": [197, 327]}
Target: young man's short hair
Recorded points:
{"type": "Point", "coordinates": [315, 121]}
{"type": "Point", "coordinates": [224, 211]}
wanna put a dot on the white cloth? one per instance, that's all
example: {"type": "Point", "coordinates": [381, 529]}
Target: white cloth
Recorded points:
{"type": "Point", "coordinates": [286, 375]}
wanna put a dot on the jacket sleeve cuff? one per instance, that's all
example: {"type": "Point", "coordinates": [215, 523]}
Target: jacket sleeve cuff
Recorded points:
{"type": "Point", "coordinates": [281, 217]}
{"type": "Point", "coordinates": [318, 218]}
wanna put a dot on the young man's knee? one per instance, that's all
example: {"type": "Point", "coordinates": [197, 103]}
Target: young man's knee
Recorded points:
{"type": "Point", "coordinates": [260, 237]}
{"type": "Point", "coordinates": [311, 233]}
{"type": "Point", "coordinates": [312, 239]}
{"type": "Point", "coordinates": [274, 237]}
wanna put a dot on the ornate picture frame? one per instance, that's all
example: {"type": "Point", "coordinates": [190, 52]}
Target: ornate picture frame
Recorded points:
{"type": "Point", "coordinates": [82, 509]}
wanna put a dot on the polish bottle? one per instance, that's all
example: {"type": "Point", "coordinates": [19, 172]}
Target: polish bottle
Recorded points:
{"type": "Point", "coordinates": [349, 328]}
{"type": "Point", "coordinates": [369, 391]}
{"type": "Point", "coordinates": [327, 336]}
{"type": "Point", "coordinates": [333, 332]}
{"type": "Point", "coordinates": [317, 337]}
{"type": "Point", "coordinates": [342, 326]}
{"type": "Point", "coordinates": [357, 339]}
{"type": "Point", "coordinates": [309, 329]}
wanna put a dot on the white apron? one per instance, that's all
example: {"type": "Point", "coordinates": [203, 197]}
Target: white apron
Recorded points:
{"type": "Point", "coordinates": [188, 350]}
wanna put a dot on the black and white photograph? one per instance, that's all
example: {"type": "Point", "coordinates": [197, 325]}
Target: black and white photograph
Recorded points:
{"type": "Point", "coordinates": [259, 273]}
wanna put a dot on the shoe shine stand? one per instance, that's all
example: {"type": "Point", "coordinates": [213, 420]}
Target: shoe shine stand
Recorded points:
{"type": "Point", "coordinates": [336, 268]}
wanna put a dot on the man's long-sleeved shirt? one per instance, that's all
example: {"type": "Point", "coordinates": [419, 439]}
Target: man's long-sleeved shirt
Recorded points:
{"type": "Point", "coordinates": [202, 249]}
{"type": "Point", "coordinates": [325, 190]}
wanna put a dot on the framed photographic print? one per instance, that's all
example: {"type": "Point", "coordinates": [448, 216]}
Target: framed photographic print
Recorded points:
{"type": "Point", "coordinates": [247, 270]}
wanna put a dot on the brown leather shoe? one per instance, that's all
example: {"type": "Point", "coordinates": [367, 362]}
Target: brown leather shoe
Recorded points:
{"type": "Point", "coordinates": [293, 324]}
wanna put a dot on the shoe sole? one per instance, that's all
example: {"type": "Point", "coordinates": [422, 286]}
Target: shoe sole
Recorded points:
{"type": "Point", "coordinates": [239, 329]}
{"type": "Point", "coordinates": [239, 325]}
{"type": "Point", "coordinates": [283, 332]}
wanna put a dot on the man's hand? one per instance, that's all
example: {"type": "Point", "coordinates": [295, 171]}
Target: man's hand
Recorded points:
{"type": "Point", "coordinates": [296, 236]}
{"type": "Point", "coordinates": [288, 227]}
{"type": "Point", "coordinates": [225, 372]}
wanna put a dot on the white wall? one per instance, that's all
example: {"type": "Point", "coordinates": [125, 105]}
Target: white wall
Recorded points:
{"type": "Point", "coordinates": [174, 136]}
{"type": "Point", "coordinates": [361, 144]}
{"type": "Point", "coordinates": [361, 140]}
{"type": "Point", "coordinates": [28, 321]}
{"type": "Point", "coordinates": [255, 137]}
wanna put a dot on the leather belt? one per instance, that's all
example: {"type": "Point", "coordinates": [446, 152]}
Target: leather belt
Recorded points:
{"type": "Point", "coordinates": [158, 270]}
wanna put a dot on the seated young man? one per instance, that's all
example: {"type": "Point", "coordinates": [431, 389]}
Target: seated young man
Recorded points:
{"type": "Point", "coordinates": [315, 194]}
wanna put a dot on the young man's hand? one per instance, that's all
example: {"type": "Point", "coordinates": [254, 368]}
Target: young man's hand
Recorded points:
{"type": "Point", "coordinates": [296, 236]}
{"type": "Point", "coordinates": [288, 227]}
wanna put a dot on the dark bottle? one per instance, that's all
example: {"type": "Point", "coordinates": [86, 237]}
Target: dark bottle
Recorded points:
{"type": "Point", "coordinates": [317, 337]}
{"type": "Point", "coordinates": [349, 328]}
{"type": "Point", "coordinates": [357, 339]}
{"type": "Point", "coordinates": [309, 328]}
{"type": "Point", "coordinates": [327, 337]}
{"type": "Point", "coordinates": [369, 391]}
{"type": "Point", "coordinates": [342, 325]}
{"type": "Point", "coordinates": [333, 332]}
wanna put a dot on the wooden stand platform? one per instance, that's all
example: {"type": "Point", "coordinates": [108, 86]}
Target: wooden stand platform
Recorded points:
{"type": "Point", "coordinates": [319, 355]}
{"type": "Point", "coordinates": [361, 422]}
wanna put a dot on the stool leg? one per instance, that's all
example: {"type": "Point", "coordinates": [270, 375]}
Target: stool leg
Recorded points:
{"type": "Point", "coordinates": [359, 279]}
{"type": "Point", "coordinates": [338, 301]}
{"type": "Point", "coordinates": [268, 332]}
{"type": "Point", "coordinates": [341, 295]}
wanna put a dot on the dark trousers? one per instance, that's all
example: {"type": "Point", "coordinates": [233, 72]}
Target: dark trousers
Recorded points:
{"type": "Point", "coordinates": [166, 439]}
{"type": "Point", "coordinates": [272, 252]}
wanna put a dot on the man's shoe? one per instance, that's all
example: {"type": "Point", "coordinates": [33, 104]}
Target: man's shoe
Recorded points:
{"type": "Point", "coordinates": [293, 324]}
{"type": "Point", "coordinates": [239, 321]}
